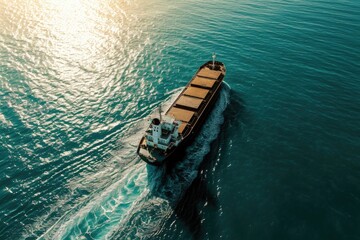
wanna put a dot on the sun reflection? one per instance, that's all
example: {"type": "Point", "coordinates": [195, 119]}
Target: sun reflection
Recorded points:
{"type": "Point", "coordinates": [75, 48]}
{"type": "Point", "coordinates": [73, 25]}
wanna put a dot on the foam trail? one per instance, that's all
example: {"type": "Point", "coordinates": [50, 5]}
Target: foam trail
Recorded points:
{"type": "Point", "coordinates": [165, 189]}
{"type": "Point", "coordinates": [142, 195]}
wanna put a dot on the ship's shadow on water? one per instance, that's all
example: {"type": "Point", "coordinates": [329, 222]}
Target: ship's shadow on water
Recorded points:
{"type": "Point", "coordinates": [188, 209]}
{"type": "Point", "coordinates": [184, 183]}
{"type": "Point", "coordinates": [186, 205]}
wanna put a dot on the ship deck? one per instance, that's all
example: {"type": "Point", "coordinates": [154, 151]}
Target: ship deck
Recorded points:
{"type": "Point", "coordinates": [193, 100]}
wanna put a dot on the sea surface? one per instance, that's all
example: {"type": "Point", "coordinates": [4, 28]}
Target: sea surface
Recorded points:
{"type": "Point", "coordinates": [278, 158]}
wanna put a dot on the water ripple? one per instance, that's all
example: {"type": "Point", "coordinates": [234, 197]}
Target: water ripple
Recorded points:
{"type": "Point", "coordinates": [77, 77]}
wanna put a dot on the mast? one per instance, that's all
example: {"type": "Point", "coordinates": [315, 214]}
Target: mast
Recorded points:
{"type": "Point", "coordinates": [160, 112]}
{"type": "Point", "coordinates": [213, 63]}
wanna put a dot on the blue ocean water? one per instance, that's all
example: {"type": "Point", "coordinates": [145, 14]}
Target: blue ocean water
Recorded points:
{"type": "Point", "coordinates": [278, 157]}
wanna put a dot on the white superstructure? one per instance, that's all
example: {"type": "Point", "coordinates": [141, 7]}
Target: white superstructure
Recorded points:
{"type": "Point", "coordinates": [163, 133]}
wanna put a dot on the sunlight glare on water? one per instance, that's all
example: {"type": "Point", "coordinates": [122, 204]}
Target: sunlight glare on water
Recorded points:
{"type": "Point", "coordinates": [69, 74]}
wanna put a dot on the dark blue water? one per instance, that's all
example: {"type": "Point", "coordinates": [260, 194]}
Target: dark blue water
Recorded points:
{"type": "Point", "coordinates": [278, 157]}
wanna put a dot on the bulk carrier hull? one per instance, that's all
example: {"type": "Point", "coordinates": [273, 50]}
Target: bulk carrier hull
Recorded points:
{"type": "Point", "coordinates": [189, 111]}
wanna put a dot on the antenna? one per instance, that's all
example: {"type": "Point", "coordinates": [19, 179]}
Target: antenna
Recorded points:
{"type": "Point", "coordinates": [213, 64]}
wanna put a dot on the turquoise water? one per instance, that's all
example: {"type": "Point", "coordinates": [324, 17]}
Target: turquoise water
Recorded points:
{"type": "Point", "coordinates": [277, 159]}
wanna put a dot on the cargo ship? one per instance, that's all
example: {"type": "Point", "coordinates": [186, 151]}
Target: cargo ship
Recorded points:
{"type": "Point", "coordinates": [171, 132]}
